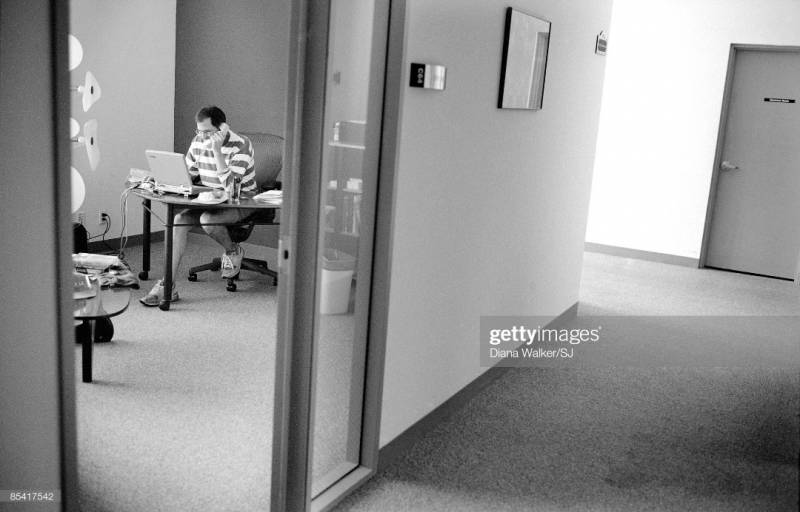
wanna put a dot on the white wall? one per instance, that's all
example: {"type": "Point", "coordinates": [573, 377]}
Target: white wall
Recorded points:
{"type": "Point", "coordinates": [234, 55]}
{"type": "Point", "coordinates": [666, 71]}
{"type": "Point", "coordinates": [491, 204]}
{"type": "Point", "coordinates": [130, 47]}
{"type": "Point", "coordinates": [349, 56]}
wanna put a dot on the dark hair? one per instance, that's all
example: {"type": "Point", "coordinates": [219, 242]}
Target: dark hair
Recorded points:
{"type": "Point", "coordinates": [212, 112]}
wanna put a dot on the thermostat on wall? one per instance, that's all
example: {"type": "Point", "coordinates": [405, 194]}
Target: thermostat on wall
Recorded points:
{"type": "Point", "coordinates": [427, 76]}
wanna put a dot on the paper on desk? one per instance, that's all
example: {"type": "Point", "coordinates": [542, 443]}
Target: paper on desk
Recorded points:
{"type": "Point", "coordinates": [82, 286]}
{"type": "Point", "coordinates": [210, 198]}
{"type": "Point", "coordinates": [270, 197]}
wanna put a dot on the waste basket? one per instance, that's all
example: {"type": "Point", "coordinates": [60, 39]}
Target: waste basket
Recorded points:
{"type": "Point", "coordinates": [337, 278]}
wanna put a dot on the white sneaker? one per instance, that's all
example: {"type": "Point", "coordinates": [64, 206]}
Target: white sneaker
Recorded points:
{"type": "Point", "coordinates": [232, 262]}
{"type": "Point", "coordinates": [156, 294]}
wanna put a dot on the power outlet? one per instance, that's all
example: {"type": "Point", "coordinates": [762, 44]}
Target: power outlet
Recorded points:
{"type": "Point", "coordinates": [81, 217]}
{"type": "Point", "coordinates": [103, 217]}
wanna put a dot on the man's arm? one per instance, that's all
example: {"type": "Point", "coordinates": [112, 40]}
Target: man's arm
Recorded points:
{"type": "Point", "coordinates": [241, 159]}
{"type": "Point", "coordinates": [242, 162]}
{"type": "Point", "coordinates": [191, 164]}
{"type": "Point", "coordinates": [216, 149]}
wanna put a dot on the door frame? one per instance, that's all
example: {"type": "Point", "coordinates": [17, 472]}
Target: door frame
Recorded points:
{"type": "Point", "coordinates": [723, 126]}
{"type": "Point", "coordinates": [58, 437]}
{"type": "Point", "coordinates": [294, 384]}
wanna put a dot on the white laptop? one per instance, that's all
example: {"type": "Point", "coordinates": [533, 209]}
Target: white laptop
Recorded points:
{"type": "Point", "coordinates": [171, 174]}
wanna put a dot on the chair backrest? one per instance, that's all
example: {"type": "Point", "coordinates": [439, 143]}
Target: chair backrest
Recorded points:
{"type": "Point", "coordinates": [268, 155]}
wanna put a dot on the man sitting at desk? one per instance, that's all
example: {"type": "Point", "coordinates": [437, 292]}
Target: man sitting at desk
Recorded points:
{"type": "Point", "coordinates": [216, 157]}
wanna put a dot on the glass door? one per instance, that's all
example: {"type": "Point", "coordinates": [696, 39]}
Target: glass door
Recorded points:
{"type": "Point", "coordinates": [328, 385]}
{"type": "Point", "coordinates": [348, 190]}
{"type": "Point", "coordinates": [339, 372]}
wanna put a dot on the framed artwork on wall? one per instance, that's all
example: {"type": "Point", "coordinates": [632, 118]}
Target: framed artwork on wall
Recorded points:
{"type": "Point", "coordinates": [527, 39]}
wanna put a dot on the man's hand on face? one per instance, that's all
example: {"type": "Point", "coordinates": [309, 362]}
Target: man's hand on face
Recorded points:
{"type": "Point", "coordinates": [215, 140]}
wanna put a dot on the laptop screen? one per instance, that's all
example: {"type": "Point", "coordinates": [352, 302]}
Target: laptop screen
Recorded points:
{"type": "Point", "coordinates": [168, 168]}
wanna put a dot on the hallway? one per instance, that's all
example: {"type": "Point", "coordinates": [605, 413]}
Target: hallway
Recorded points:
{"type": "Point", "coordinates": [619, 439]}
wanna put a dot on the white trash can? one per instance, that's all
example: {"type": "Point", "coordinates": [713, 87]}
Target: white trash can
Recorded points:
{"type": "Point", "coordinates": [337, 279]}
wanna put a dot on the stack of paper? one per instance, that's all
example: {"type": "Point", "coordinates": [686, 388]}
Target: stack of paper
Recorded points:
{"type": "Point", "coordinates": [270, 197]}
{"type": "Point", "coordinates": [88, 261]}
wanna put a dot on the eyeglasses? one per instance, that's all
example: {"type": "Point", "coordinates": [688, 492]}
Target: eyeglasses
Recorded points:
{"type": "Point", "coordinates": [205, 132]}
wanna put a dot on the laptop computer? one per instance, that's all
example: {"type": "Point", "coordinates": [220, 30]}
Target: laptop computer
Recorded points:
{"type": "Point", "coordinates": [171, 174]}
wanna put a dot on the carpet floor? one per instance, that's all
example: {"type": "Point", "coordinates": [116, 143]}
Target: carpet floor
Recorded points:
{"type": "Point", "coordinates": [179, 416]}
{"type": "Point", "coordinates": [618, 439]}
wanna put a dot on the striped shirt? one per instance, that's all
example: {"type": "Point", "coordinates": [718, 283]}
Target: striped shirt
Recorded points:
{"type": "Point", "coordinates": [238, 154]}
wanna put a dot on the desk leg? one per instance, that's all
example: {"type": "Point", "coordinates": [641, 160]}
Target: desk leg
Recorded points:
{"type": "Point", "coordinates": [164, 305]}
{"type": "Point", "coordinates": [86, 351]}
{"type": "Point", "coordinates": [145, 239]}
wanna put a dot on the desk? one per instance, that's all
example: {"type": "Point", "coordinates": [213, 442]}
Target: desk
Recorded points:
{"type": "Point", "coordinates": [174, 202]}
{"type": "Point", "coordinates": [107, 303]}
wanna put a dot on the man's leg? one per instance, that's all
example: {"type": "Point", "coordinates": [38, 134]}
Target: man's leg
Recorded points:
{"type": "Point", "coordinates": [180, 235]}
{"type": "Point", "coordinates": [180, 232]}
{"type": "Point", "coordinates": [232, 258]}
{"type": "Point", "coordinates": [220, 233]}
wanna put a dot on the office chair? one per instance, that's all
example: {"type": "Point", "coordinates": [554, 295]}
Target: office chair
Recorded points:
{"type": "Point", "coordinates": [268, 155]}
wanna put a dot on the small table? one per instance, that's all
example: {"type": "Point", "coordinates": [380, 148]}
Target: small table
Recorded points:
{"type": "Point", "coordinates": [174, 202]}
{"type": "Point", "coordinates": [107, 303]}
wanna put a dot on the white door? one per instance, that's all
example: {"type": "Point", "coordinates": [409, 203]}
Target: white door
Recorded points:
{"type": "Point", "coordinates": [755, 226]}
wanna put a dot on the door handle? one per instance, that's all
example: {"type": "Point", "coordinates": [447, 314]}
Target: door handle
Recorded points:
{"type": "Point", "coordinates": [727, 166]}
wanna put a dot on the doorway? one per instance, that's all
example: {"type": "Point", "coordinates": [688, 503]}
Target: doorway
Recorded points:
{"type": "Point", "coordinates": [180, 409]}
{"type": "Point", "coordinates": [327, 245]}
{"type": "Point", "coordinates": [753, 209]}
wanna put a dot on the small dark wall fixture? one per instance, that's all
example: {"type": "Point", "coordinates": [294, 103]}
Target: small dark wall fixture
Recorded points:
{"type": "Point", "coordinates": [601, 43]}
{"type": "Point", "coordinates": [527, 39]}
{"type": "Point", "coordinates": [427, 76]}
